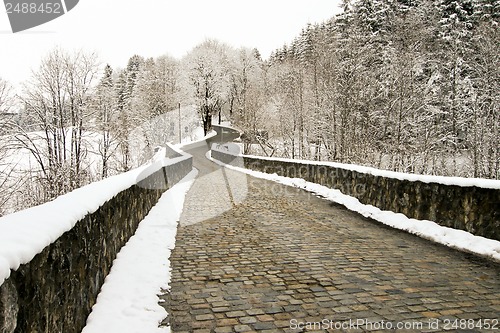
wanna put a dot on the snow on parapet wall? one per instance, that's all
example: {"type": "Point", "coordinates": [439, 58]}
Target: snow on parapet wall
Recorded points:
{"type": "Point", "coordinates": [228, 148]}
{"type": "Point", "coordinates": [457, 239]}
{"type": "Point", "coordinates": [26, 233]}
{"type": "Point", "coordinates": [457, 181]}
{"type": "Point", "coordinates": [198, 143]}
{"type": "Point", "coordinates": [369, 206]}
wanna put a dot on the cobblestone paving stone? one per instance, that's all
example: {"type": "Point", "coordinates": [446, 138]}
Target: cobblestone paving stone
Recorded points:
{"type": "Point", "coordinates": [281, 259]}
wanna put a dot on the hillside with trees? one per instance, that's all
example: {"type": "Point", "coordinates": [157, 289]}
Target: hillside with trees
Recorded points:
{"type": "Point", "coordinates": [403, 85]}
{"type": "Point", "coordinates": [409, 86]}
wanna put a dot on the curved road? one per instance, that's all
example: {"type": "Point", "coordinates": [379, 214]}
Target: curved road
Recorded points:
{"type": "Point", "coordinates": [253, 255]}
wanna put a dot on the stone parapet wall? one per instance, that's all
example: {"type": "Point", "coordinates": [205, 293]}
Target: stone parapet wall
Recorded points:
{"type": "Point", "coordinates": [470, 208]}
{"type": "Point", "coordinates": [56, 290]}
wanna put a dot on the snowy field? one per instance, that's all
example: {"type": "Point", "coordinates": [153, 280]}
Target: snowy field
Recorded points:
{"type": "Point", "coordinates": [18, 166]}
{"type": "Point", "coordinates": [457, 239]}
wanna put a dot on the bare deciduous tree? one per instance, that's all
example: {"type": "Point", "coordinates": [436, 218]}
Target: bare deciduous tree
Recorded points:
{"type": "Point", "coordinates": [57, 102]}
{"type": "Point", "coordinates": [208, 68]}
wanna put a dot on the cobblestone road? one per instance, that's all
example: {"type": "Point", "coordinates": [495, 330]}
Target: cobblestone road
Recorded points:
{"type": "Point", "coordinates": [270, 258]}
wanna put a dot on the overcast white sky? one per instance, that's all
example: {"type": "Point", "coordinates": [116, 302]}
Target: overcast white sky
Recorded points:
{"type": "Point", "coordinates": [118, 29]}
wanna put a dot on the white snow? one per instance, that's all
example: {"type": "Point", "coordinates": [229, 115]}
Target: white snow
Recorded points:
{"type": "Point", "coordinates": [127, 302]}
{"type": "Point", "coordinates": [458, 181]}
{"type": "Point", "coordinates": [197, 134]}
{"type": "Point", "coordinates": [198, 143]}
{"type": "Point", "coordinates": [22, 159]}
{"type": "Point", "coordinates": [26, 233]}
{"type": "Point", "coordinates": [228, 148]}
{"type": "Point", "coordinates": [450, 237]}
{"type": "Point", "coordinates": [228, 125]}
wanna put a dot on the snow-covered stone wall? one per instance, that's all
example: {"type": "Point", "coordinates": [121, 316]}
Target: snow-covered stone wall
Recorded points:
{"type": "Point", "coordinates": [460, 203]}
{"type": "Point", "coordinates": [51, 287]}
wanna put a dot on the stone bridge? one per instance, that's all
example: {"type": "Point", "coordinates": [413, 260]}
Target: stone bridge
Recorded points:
{"type": "Point", "coordinates": [253, 255]}
{"type": "Point", "coordinates": [267, 257]}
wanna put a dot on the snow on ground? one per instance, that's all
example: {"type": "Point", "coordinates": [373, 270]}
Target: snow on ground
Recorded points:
{"type": "Point", "coordinates": [197, 135]}
{"type": "Point", "coordinates": [18, 166]}
{"type": "Point", "coordinates": [201, 141]}
{"type": "Point", "coordinates": [23, 160]}
{"type": "Point", "coordinates": [127, 302]}
{"type": "Point", "coordinates": [229, 125]}
{"type": "Point", "coordinates": [26, 233]}
{"type": "Point", "coordinates": [457, 239]}
{"type": "Point", "coordinates": [228, 148]}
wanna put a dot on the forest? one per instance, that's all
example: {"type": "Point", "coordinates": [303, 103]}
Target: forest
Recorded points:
{"type": "Point", "coordinates": [403, 85]}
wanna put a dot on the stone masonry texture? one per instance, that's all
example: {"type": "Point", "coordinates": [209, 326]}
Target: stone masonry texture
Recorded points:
{"type": "Point", "coordinates": [279, 259]}
{"type": "Point", "coordinates": [471, 208]}
{"type": "Point", "coordinates": [56, 290]}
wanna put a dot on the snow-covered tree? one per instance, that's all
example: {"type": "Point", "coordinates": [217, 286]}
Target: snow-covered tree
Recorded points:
{"type": "Point", "coordinates": [106, 118]}
{"type": "Point", "coordinates": [155, 95]}
{"type": "Point", "coordinates": [57, 107]}
{"type": "Point", "coordinates": [246, 96]}
{"type": "Point", "coordinates": [6, 125]}
{"type": "Point", "coordinates": [207, 67]}
{"type": "Point", "coordinates": [127, 119]}
{"type": "Point", "coordinates": [487, 11]}
{"type": "Point", "coordinates": [400, 84]}
{"type": "Point", "coordinates": [6, 96]}
{"type": "Point", "coordinates": [484, 120]}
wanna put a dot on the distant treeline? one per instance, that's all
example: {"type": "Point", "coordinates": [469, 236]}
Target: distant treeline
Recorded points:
{"type": "Point", "coordinates": [408, 85]}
